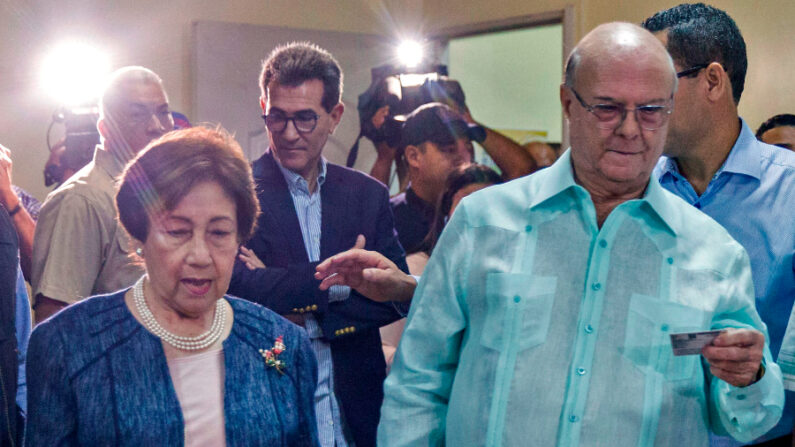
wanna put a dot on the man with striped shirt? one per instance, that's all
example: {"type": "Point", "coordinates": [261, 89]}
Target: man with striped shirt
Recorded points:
{"type": "Point", "coordinates": [313, 209]}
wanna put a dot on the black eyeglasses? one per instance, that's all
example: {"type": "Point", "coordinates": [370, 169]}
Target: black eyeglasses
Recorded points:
{"type": "Point", "coordinates": [691, 70]}
{"type": "Point", "coordinates": [610, 116]}
{"type": "Point", "coordinates": [304, 121]}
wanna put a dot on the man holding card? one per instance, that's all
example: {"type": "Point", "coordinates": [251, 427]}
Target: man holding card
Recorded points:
{"type": "Point", "coordinates": [545, 314]}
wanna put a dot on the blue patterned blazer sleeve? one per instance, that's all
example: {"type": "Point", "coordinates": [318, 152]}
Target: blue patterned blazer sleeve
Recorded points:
{"type": "Point", "coordinates": [56, 422]}
{"type": "Point", "coordinates": [306, 364]}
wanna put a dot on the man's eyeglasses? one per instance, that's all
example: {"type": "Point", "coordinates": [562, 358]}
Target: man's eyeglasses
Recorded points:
{"type": "Point", "coordinates": [304, 121]}
{"type": "Point", "coordinates": [610, 116]}
{"type": "Point", "coordinates": [692, 70]}
{"type": "Point", "coordinates": [139, 114]}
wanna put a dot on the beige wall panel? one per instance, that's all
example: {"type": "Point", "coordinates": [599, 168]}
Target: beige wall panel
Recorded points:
{"type": "Point", "coordinates": [157, 34]}
{"type": "Point", "coordinates": [767, 29]}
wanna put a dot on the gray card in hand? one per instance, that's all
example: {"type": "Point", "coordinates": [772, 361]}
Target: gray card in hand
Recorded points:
{"type": "Point", "coordinates": [691, 343]}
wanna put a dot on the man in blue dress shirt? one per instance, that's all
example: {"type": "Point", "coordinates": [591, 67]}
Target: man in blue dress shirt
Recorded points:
{"type": "Point", "coordinates": [715, 163]}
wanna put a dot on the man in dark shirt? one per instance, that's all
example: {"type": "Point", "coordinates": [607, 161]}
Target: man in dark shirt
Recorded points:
{"type": "Point", "coordinates": [435, 140]}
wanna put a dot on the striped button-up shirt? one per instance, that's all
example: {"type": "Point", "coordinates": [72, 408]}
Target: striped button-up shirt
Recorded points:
{"type": "Point", "coordinates": [308, 208]}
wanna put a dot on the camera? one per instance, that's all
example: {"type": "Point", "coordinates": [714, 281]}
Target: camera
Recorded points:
{"type": "Point", "coordinates": [403, 90]}
{"type": "Point", "coordinates": [81, 139]}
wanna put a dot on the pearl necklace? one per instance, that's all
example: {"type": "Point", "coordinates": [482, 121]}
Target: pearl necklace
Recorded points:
{"type": "Point", "coordinates": [196, 343]}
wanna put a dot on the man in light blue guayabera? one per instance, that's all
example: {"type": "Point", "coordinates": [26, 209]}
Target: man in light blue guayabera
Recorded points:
{"type": "Point", "coordinates": [543, 317]}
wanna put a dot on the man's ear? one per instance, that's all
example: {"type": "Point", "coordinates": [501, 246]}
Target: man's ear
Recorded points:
{"type": "Point", "coordinates": [718, 84]}
{"type": "Point", "coordinates": [336, 116]}
{"type": "Point", "coordinates": [412, 154]}
{"type": "Point", "coordinates": [565, 100]}
{"type": "Point", "coordinates": [102, 128]}
{"type": "Point", "coordinates": [262, 103]}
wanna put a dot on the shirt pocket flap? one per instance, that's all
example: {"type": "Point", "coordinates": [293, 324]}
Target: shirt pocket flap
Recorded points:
{"type": "Point", "coordinates": [519, 308]}
{"type": "Point", "coordinates": [647, 341]}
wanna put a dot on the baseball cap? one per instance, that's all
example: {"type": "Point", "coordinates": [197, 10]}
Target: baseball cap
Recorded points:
{"type": "Point", "coordinates": [437, 123]}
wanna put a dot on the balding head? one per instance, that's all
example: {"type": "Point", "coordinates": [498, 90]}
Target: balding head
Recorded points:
{"type": "Point", "coordinates": [617, 99]}
{"type": "Point", "coordinates": [133, 111]}
{"type": "Point", "coordinates": [120, 81]}
{"type": "Point", "coordinates": [613, 42]}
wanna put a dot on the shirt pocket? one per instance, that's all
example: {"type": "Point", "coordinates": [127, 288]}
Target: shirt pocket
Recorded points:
{"type": "Point", "coordinates": [647, 341]}
{"type": "Point", "coordinates": [519, 308]}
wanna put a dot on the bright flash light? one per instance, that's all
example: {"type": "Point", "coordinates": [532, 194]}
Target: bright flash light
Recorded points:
{"type": "Point", "coordinates": [74, 73]}
{"type": "Point", "coordinates": [410, 53]}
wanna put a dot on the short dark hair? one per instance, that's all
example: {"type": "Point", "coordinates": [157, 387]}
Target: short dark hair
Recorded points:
{"type": "Point", "coordinates": [169, 167]}
{"type": "Point", "coordinates": [700, 34]}
{"type": "Point", "coordinates": [785, 119]}
{"type": "Point", "coordinates": [461, 177]}
{"type": "Point", "coordinates": [295, 63]}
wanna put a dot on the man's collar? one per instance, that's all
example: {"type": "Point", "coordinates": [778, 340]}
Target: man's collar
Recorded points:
{"type": "Point", "coordinates": [108, 161]}
{"type": "Point", "coordinates": [294, 179]}
{"type": "Point", "coordinates": [742, 159]}
{"type": "Point", "coordinates": [660, 202]}
{"type": "Point", "coordinates": [560, 178]}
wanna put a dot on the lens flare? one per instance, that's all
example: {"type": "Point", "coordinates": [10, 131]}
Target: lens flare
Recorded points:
{"type": "Point", "coordinates": [410, 53]}
{"type": "Point", "coordinates": [73, 73]}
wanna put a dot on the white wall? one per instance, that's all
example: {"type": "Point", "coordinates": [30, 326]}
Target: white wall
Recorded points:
{"type": "Point", "coordinates": [511, 78]}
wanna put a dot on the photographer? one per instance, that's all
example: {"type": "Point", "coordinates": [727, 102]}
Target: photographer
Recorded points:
{"type": "Point", "coordinates": [387, 98]}
{"type": "Point", "coordinates": [62, 164]}
{"type": "Point", "coordinates": [435, 140]}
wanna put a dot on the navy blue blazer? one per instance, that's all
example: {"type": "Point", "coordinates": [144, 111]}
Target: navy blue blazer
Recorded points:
{"type": "Point", "coordinates": [9, 428]}
{"type": "Point", "coordinates": [97, 377]}
{"type": "Point", "coordinates": [352, 204]}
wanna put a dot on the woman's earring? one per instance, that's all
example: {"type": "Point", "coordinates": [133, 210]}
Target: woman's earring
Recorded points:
{"type": "Point", "coordinates": [139, 251]}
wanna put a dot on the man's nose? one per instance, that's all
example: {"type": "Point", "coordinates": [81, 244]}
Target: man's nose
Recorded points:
{"type": "Point", "coordinates": [629, 127]}
{"type": "Point", "coordinates": [290, 132]}
{"type": "Point", "coordinates": [155, 125]}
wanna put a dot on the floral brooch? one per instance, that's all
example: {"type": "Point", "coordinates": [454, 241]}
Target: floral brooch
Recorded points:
{"type": "Point", "coordinates": [271, 355]}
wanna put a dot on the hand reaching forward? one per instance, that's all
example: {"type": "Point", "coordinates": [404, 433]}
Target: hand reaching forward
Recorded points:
{"type": "Point", "coordinates": [368, 272]}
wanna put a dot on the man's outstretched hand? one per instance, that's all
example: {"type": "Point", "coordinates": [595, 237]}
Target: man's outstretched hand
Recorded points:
{"type": "Point", "coordinates": [368, 272]}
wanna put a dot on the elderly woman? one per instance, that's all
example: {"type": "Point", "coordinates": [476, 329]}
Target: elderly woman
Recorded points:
{"type": "Point", "coordinates": [172, 360]}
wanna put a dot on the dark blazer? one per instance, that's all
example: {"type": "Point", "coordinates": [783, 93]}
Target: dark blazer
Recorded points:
{"type": "Point", "coordinates": [352, 203]}
{"type": "Point", "coordinates": [96, 377]}
{"type": "Point", "coordinates": [9, 428]}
